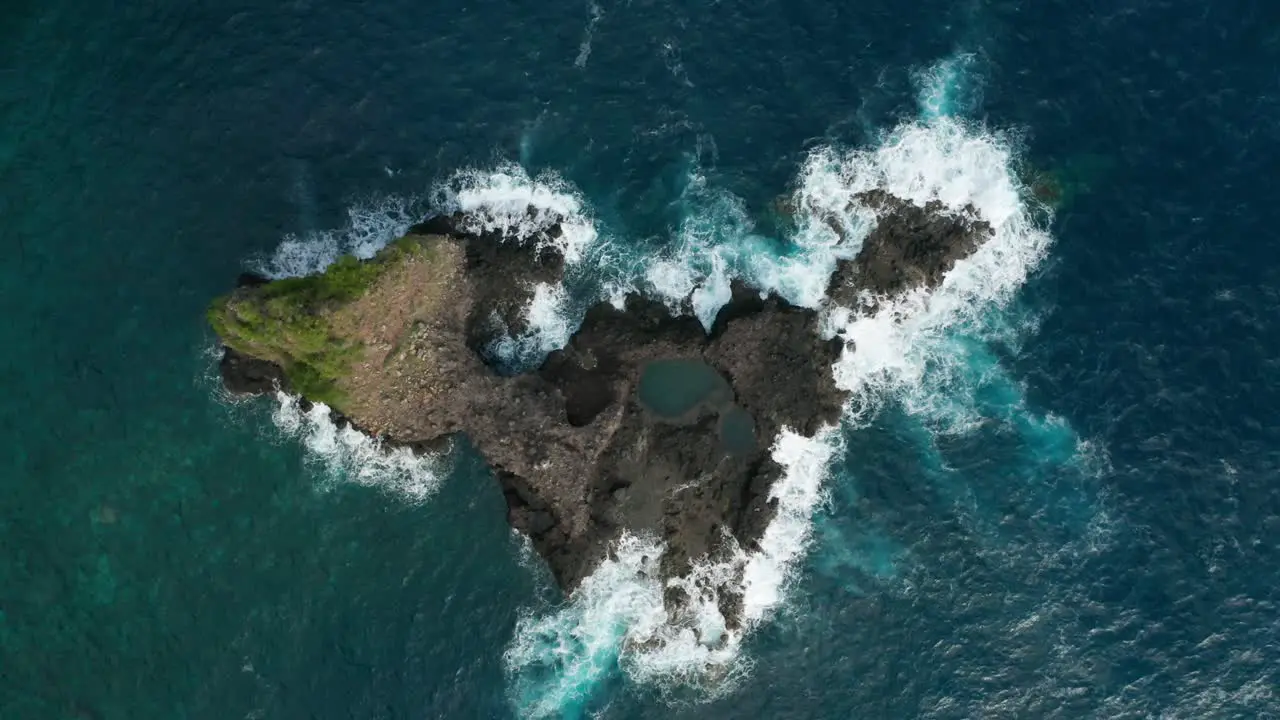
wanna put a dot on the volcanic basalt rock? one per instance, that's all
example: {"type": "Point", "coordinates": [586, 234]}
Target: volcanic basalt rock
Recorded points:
{"type": "Point", "coordinates": [910, 247]}
{"type": "Point", "coordinates": [643, 422]}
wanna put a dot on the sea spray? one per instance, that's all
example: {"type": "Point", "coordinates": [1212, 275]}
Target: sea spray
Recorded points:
{"type": "Point", "coordinates": [549, 323]}
{"type": "Point", "coordinates": [556, 660]}
{"type": "Point", "coordinates": [718, 242]}
{"type": "Point", "coordinates": [352, 456]}
{"type": "Point", "coordinates": [506, 201]}
{"type": "Point", "coordinates": [901, 340]}
{"type": "Point", "coordinates": [371, 225]}
{"type": "Point", "coordinates": [546, 210]}
{"type": "Point", "coordinates": [805, 463]}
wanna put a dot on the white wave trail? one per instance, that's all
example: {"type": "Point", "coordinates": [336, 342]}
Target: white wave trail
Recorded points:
{"type": "Point", "coordinates": [584, 48]}
{"type": "Point", "coordinates": [350, 455]}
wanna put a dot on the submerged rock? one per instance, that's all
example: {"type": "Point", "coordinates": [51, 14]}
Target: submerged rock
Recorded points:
{"type": "Point", "coordinates": [643, 422]}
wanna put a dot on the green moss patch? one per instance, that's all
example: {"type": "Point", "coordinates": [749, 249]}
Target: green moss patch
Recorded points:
{"type": "Point", "coordinates": [289, 321]}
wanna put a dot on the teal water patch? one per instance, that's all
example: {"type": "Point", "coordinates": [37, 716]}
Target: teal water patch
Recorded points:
{"type": "Point", "coordinates": [948, 88]}
{"type": "Point", "coordinates": [858, 559]}
{"type": "Point", "coordinates": [1008, 470]}
{"type": "Point", "coordinates": [674, 388]}
{"type": "Point", "coordinates": [737, 431]}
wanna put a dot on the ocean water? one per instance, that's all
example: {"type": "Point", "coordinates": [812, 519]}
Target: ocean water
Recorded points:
{"type": "Point", "coordinates": [1053, 493]}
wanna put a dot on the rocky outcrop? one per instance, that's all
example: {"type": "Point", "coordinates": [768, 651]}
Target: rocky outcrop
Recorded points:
{"type": "Point", "coordinates": [911, 246]}
{"type": "Point", "coordinates": [643, 422]}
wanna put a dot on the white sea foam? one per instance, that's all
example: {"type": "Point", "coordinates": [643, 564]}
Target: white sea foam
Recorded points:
{"type": "Point", "coordinates": [508, 202]}
{"type": "Point", "coordinates": [717, 242]}
{"type": "Point", "coordinates": [505, 202]}
{"type": "Point", "coordinates": [557, 659]}
{"type": "Point", "coordinates": [370, 226]}
{"type": "Point", "coordinates": [948, 88]}
{"type": "Point", "coordinates": [345, 453]}
{"type": "Point", "coordinates": [710, 249]}
{"type": "Point", "coordinates": [351, 456]}
{"type": "Point", "coordinates": [548, 325]}
{"type": "Point", "coordinates": [905, 346]}
{"type": "Point", "coordinates": [617, 618]}
{"type": "Point", "coordinates": [911, 349]}
{"type": "Point", "coordinates": [805, 462]}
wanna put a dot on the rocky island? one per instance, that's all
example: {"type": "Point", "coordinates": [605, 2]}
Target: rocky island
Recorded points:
{"type": "Point", "coordinates": [644, 421]}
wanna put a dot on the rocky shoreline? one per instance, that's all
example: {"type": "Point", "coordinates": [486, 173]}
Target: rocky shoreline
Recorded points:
{"type": "Point", "coordinates": [644, 422]}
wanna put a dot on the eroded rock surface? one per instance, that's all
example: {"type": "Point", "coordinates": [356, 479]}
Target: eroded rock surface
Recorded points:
{"type": "Point", "coordinates": [579, 453]}
{"type": "Point", "coordinates": [910, 247]}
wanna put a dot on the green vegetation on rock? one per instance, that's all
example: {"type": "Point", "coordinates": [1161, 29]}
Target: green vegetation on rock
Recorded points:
{"type": "Point", "coordinates": [290, 321]}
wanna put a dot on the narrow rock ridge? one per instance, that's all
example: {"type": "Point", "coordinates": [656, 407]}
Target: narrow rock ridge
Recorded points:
{"type": "Point", "coordinates": [644, 422]}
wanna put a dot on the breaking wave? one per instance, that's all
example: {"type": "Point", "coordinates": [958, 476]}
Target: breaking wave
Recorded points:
{"type": "Point", "coordinates": [718, 241]}
{"type": "Point", "coordinates": [616, 618]}
{"type": "Point", "coordinates": [906, 346]}
{"type": "Point", "coordinates": [370, 226]}
{"type": "Point", "coordinates": [508, 202]}
{"type": "Point", "coordinates": [550, 325]}
{"type": "Point", "coordinates": [349, 455]}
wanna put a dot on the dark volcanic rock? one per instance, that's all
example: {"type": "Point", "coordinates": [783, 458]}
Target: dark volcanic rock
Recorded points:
{"type": "Point", "coordinates": [911, 246]}
{"type": "Point", "coordinates": [675, 477]}
{"type": "Point", "coordinates": [244, 374]}
{"type": "Point", "coordinates": [251, 279]}
{"type": "Point", "coordinates": [579, 450]}
{"type": "Point", "coordinates": [494, 263]}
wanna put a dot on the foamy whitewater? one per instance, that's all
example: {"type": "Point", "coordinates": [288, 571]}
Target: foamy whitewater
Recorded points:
{"type": "Point", "coordinates": [508, 202]}
{"type": "Point", "coordinates": [927, 352]}
{"type": "Point", "coordinates": [350, 455]}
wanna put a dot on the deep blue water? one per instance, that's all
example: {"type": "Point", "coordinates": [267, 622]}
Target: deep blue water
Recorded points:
{"type": "Point", "coordinates": [1105, 542]}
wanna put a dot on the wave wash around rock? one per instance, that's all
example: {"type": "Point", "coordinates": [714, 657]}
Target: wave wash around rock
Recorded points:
{"type": "Point", "coordinates": [396, 345]}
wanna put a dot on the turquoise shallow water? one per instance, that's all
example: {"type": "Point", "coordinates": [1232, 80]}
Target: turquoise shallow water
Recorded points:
{"type": "Point", "coordinates": [672, 388]}
{"type": "Point", "coordinates": [1078, 519]}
